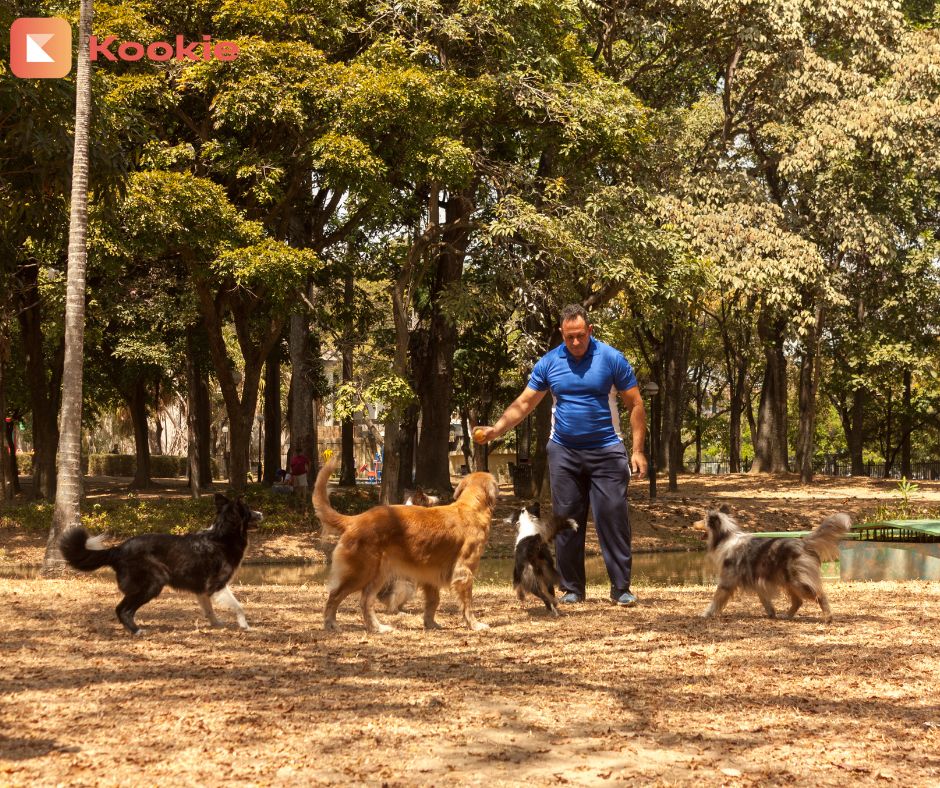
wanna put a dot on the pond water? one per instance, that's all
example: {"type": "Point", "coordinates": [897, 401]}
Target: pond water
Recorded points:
{"type": "Point", "coordinates": [649, 569]}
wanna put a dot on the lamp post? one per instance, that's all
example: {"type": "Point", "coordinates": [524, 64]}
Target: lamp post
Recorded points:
{"type": "Point", "coordinates": [225, 451]}
{"type": "Point", "coordinates": [651, 390]}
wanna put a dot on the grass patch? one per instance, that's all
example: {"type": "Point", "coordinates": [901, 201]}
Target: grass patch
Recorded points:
{"type": "Point", "coordinates": [133, 515]}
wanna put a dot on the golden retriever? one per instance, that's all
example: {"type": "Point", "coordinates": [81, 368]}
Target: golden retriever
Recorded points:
{"type": "Point", "coordinates": [436, 547]}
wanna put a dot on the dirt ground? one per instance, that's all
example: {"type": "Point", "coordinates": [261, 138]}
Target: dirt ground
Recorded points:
{"type": "Point", "coordinates": [602, 696]}
{"type": "Point", "coordinates": [763, 503]}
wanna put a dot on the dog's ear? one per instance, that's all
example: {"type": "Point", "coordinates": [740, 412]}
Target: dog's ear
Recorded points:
{"type": "Point", "coordinates": [220, 502]}
{"type": "Point", "coordinates": [493, 491]}
{"type": "Point", "coordinates": [460, 487]}
{"type": "Point", "coordinates": [534, 508]}
{"type": "Point", "coordinates": [713, 519]}
{"type": "Point", "coordinates": [724, 509]}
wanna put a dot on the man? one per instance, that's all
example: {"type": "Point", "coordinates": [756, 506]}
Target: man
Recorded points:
{"type": "Point", "coordinates": [587, 460]}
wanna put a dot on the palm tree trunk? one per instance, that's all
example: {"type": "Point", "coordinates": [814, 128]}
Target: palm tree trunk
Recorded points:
{"type": "Point", "coordinates": [69, 477]}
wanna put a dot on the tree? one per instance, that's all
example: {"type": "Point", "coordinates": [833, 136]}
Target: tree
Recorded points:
{"type": "Point", "coordinates": [68, 487]}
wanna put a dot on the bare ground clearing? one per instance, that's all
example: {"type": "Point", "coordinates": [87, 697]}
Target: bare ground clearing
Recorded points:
{"type": "Point", "coordinates": [602, 696]}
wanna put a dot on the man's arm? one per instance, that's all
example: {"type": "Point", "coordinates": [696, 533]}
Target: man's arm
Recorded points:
{"type": "Point", "coordinates": [633, 401]}
{"type": "Point", "coordinates": [521, 407]}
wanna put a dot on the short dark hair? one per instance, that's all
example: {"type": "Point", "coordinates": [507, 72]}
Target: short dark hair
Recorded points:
{"type": "Point", "coordinates": [573, 312]}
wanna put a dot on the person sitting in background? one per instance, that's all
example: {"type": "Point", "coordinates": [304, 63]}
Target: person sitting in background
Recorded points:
{"type": "Point", "coordinates": [283, 482]}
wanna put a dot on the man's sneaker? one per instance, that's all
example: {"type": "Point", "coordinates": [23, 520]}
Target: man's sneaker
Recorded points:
{"type": "Point", "coordinates": [571, 598]}
{"type": "Point", "coordinates": [626, 599]}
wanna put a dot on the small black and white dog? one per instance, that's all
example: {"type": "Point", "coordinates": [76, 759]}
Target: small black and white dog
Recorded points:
{"type": "Point", "coordinates": [767, 565]}
{"type": "Point", "coordinates": [534, 571]}
{"type": "Point", "coordinates": [202, 563]}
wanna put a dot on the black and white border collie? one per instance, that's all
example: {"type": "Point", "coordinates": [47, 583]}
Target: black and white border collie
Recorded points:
{"type": "Point", "coordinates": [202, 563]}
{"type": "Point", "coordinates": [534, 571]}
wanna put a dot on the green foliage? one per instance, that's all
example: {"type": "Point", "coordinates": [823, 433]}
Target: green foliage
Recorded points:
{"type": "Point", "coordinates": [906, 508]}
{"type": "Point", "coordinates": [161, 465]}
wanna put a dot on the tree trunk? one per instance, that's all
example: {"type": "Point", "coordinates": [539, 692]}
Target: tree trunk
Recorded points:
{"type": "Point", "coordinates": [347, 473]}
{"type": "Point", "coordinates": [856, 435]}
{"type": "Point", "coordinates": [543, 428]}
{"type": "Point", "coordinates": [435, 379]}
{"type": "Point", "coordinates": [888, 443]}
{"type": "Point", "coordinates": [906, 427]}
{"type": "Point", "coordinates": [391, 463]}
{"type": "Point", "coordinates": [240, 408]}
{"type": "Point", "coordinates": [466, 444]}
{"type": "Point", "coordinates": [204, 428]}
{"type": "Point", "coordinates": [734, 436]}
{"type": "Point", "coordinates": [408, 443]}
{"type": "Point", "coordinates": [809, 384]}
{"type": "Point", "coordinates": [44, 392]}
{"type": "Point", "coordinates": [14, 470]}
{"type": "Point", "coordinates": [807, 403]}
{"type": "Point", "coordinates": [69, 481]}
{"type": "Point", "coordinates": [676, 344]}
{"type": "Point", "coordinates": [137, 404]}
{"type": "Point", "coordinates": [6, 487]}
{"type": "Point", "coordinates": [301, 409]}
{"type": "Point", "coordinates": [194, 445]}
{"type": "Point", "coordinates": [737, 368]}
{"type": "Point", "coordinates": [157, 422]}
{"type": "Point", "coordinates": [272, 416]}
{"type": "Point", "coordinates": [770, 442]}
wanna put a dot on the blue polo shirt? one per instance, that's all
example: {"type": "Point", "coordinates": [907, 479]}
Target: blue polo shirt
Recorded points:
{"type": "Point", "coordinates": [584, 413]}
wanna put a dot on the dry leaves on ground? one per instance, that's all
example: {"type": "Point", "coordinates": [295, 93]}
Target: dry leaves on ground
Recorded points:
{"type": "Point", "coordinates": [601, 696]}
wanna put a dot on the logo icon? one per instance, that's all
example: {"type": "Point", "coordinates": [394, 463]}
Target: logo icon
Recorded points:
{"type": "Point", "coordinates": [41, 47]}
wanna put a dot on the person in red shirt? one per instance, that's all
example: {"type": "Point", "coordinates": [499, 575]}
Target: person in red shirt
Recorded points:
{"type": "Point", "coordinates": [299, 466]}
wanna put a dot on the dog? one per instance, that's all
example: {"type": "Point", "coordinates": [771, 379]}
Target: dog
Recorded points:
{"type": "Point", "coordinates": [766, 565]}
{"type": "Point", "coordinates": [534, 571]}
{"type": "Point", "coordinates": [202, 563]}
{"type": "Point", "coordinates": [435, 547]}
{"type": "Point", "coordinates": [398, 591]}
{"type": "Point", "coordinates": [418, 497]}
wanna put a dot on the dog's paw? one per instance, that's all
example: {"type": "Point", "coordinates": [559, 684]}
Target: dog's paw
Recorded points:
{"type": "Point", "coordinates": [706, 614]}
{"type": "Point", "coordinates": [383, 629]}
{"type": "Point", "coordinates": [330, 626]}
{"type": "Point", "coordinates": [479, 626]}
{"type": "Point", "coordinates": [139, 633]}
{"type": "Point", "coordinates": [429, 625]}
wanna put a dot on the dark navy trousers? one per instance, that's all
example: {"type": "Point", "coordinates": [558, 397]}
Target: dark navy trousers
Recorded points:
{"type": "Point", "coordinates": [597, 477]}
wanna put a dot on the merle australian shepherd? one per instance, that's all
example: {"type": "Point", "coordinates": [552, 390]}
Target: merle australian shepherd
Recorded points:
{"type": "Point", "coordinates": [202, 563]}
{"type": "Point", "coordinates": [534, 571]}
{"type": "Point", "coordinates": [767, 565]}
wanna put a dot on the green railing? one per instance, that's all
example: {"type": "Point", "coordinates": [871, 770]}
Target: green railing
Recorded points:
{"type": "Point", "coordinates": [882, 531]}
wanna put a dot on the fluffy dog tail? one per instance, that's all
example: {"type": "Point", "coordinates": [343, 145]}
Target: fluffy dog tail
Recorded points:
{"type": "Point", "coordinates": [84, 552]}
{"type": "Point", "coordinates": [330, 519]}
{"type": "Point", "coordinates": [824, 539]}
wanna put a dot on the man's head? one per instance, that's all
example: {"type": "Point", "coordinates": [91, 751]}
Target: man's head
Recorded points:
{"type": "Point", "coordinates": [576, 329]}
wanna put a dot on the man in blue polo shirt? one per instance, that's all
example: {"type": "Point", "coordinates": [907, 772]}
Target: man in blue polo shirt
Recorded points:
{"type": "Point", "coordinates": [587, 460]}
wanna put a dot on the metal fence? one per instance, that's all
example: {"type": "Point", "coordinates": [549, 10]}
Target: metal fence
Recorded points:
{"type": "Point", "coordinates": [929, 470]}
